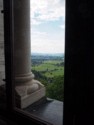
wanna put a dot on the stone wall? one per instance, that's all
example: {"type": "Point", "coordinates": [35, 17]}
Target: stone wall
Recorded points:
{"type": "Point", "coordinates": [2, 62]}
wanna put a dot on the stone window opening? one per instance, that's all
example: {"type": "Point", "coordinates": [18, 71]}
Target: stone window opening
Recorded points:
{"type": "Point", "coordinates": [79, 67]}
{"type": "Point", "coordinates": [19, 77]}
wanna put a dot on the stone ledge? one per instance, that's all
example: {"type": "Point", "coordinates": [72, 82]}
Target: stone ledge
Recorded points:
{"type": "Point", "coordinates": [50, 111]}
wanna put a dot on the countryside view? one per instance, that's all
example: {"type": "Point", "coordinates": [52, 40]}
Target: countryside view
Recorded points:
{"type": "Point", "coordinates": [47, 45]}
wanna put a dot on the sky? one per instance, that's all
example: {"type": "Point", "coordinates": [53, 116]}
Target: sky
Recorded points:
{"type": "Point", "coordinates": [47, 26]}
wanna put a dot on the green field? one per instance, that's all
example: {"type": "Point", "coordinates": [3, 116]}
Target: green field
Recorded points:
{"type": "Point", "coordinates": [50, 68]}
{"type": "Point", "coordinates": [51, 74]}
{"type": "Point", "coordinates": [55, 73]}
{"type": "Point", "coordinates": [53, 62]}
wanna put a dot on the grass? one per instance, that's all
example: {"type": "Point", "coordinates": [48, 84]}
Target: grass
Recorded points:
{"type": "Point", "coordinates": [55, 73]}
{"type": "Point", "coordinates": [53, 62]}
{"type": "Point", "coordinates": [50, 68]}
{"type": "Point", "coordinates": [43, 67]}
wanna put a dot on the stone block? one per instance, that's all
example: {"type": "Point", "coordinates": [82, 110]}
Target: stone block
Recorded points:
{"type": "Point", "coordinates": [25, 101]}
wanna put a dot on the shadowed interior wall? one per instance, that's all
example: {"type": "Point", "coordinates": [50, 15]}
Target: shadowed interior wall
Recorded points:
{"type": "Point", "coordinates": [2, 67]}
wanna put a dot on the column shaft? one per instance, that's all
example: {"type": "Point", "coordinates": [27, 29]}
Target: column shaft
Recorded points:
{"type": "Point", "coordinates": [27, 89]}
{"type": "Point", "coordinates": [22, 50]}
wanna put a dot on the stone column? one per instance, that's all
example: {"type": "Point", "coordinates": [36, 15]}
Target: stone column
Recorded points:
{"type": "Point", "coordinates": [28, 90]}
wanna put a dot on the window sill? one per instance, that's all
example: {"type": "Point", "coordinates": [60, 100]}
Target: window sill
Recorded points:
{"type": "Point", "coordinates": [50, 111]}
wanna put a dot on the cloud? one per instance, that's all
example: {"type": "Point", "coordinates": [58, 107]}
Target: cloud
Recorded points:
{"type": "Point", "coordinates": [45, 43]}
{"type": "Point", "coordinates": [46, 10]}
{"type": "Point", "coordinates": [43, 11]}
{"type": "Point", "coordinates": [35, 22]}
{"type": "Point", "coordinates": [62, 26]}
{"type": "Point", "coordinates": [39, 45]}
{"type": "Point", "coordinates": [35, 34]}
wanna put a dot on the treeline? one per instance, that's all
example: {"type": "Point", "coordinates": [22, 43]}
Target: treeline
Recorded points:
{"type": "Point", "coordinates": [40, 76]}
{"type": "Point", "coordinates": [36, 60]}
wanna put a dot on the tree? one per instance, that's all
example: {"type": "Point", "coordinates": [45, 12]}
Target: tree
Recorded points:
{"type": "Point", "coordinates": [55, 90]}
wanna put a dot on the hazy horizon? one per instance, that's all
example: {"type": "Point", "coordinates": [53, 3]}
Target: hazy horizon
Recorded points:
{"type": "Point", "coordinates": [47, 26]}
{"type": "Point", "coordinates": [45, 53]}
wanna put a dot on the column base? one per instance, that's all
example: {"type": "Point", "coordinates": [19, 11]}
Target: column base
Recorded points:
{"type": "Point", "coordinates": [24, 100]}
{"type": "Point", "coordinates": [27, 100]}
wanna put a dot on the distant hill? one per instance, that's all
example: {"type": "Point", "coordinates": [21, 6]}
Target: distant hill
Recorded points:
{"type": "Point", "coordinates": [48, 54]}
